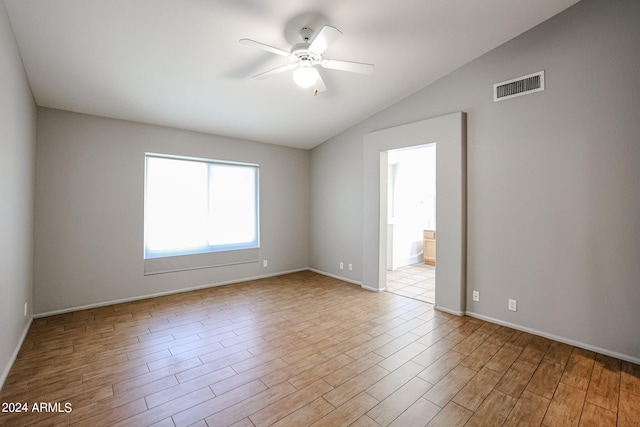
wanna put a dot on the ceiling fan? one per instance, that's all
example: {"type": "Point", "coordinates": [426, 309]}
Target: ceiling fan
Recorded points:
{"type": "Point", "coordinates": [307, 55]}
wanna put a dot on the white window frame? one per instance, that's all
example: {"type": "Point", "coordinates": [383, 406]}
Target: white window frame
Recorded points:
{"type": "Point", "coordinates": [208, 255]}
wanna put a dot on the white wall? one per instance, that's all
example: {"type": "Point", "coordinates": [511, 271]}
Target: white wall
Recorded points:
{"type": "Point", "coordinates": [411, 203]}
{"type": "Point", "coordinates": [17, 151]}
{"type": "Point", "coordinates": [552, 179]}
{"type": "Point", "coordinates": [89, 209]}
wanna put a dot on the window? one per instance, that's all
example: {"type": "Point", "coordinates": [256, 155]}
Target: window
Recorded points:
{"type": "Point", "coordinates": [199, 206]}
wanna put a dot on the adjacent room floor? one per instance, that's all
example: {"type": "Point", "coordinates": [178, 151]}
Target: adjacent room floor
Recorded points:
{"type": "Point", "coordinates": [305, 349]}
{"type": "Point", "coordinates": [416, 281]}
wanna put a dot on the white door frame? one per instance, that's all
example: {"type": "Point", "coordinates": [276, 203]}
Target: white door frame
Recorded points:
{"type": "Point", "coordinates": [449, 132]}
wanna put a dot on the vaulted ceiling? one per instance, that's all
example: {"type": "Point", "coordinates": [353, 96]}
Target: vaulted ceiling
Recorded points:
{"type": "Point", "coordinates": [179, 63]}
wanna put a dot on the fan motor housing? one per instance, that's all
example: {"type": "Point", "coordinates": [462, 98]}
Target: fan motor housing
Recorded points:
{"type": "Point", "coordinates": [302, 52]}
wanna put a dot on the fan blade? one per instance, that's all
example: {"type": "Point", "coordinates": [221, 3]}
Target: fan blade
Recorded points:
{"type": "Point", "coordinates": [266, 47]}
{"type": "Point", "coordinates": [354, 67]}
{"type": "Point", "coordinates": [319, 86]}
{"type": "Point", "coordinates": [325, 37]}
{"type": "Point", "coordinates": [275, 71]}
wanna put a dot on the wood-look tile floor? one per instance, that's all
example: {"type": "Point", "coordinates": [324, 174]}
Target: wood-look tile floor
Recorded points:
{"type": "Point", "coordinates": [305, 349]}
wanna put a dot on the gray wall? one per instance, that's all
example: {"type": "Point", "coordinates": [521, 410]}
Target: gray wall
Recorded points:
{"type": "Point", "coordinates": [89, 209]}
{"type": "Point", "coordinates": [17, 151]}
{"type": "Point", "coordinates": [553, 179]}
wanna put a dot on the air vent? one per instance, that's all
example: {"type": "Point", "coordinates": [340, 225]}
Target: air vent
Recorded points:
{"type": "Point", "coordinates": [519, 86]}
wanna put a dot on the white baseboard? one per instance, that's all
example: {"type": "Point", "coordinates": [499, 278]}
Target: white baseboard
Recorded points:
{"type": "Point", "coordinates": [159, 294]}
{"type": "Point", "coordinates": [448, 310]}
{"type": "Point", "coordinates": [557, 338]}
{"type": "Point", "coordinates": [14, 355]}
{"type": "Point", "coordinates": [369, 288]}
{"type": "Point", "coordinates": [344, 279]}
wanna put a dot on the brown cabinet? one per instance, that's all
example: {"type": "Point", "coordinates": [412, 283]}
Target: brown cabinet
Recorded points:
{"type": "Point", "coordinates": [429, 239]}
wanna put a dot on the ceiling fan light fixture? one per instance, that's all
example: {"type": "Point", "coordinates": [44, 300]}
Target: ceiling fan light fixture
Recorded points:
{"type": "Point", "coordinates": [304, 58]}
{"type": "Point", "coordinates": [305, 76]}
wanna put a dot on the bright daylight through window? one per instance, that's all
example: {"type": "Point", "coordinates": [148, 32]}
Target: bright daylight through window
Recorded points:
{"type": "Point", "coordinates": [196, 206]}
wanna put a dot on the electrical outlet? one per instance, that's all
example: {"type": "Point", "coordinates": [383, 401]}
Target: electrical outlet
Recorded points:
{"type": "Point", "coordinates": [341, 265]}
{"type": "Point", "coordinates": [350, 266]}
{"type": "Point", "coordinates": [513, 305]}
{"type": "Point", "coordinates": [265, 263]}
{"type": "Point", "coordinates": [26, 305]}
{"type": "Point", "coordinates": [476, 295]}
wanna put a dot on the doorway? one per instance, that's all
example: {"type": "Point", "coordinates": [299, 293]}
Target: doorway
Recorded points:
{"type": "Point", "coordinates": [450, 133]}
{"type": "Point", "coordinates": [411, 222]}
